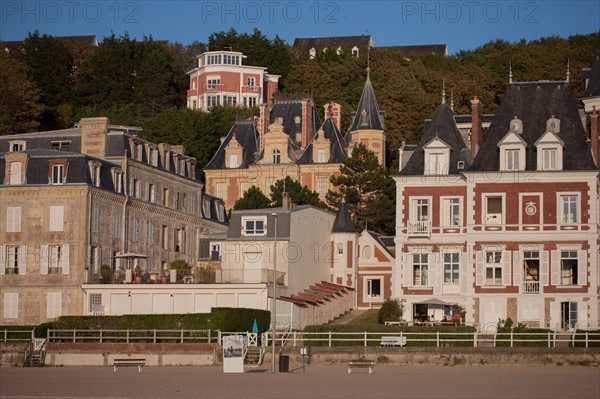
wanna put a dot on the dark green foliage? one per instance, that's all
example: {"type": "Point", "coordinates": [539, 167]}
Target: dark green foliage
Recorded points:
{"type": "Point", "coordinates": [367, 189]}
{"type": "Point", "coordinates": [299, 194]}
{"type": "Point", "coordinates": [391, 310]}
{"type": "Point", "coordinates": [182, 268]}
{"type": "Point", "coordinates": [252, 199]}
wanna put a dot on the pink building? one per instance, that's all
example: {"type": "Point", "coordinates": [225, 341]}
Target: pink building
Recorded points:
{"type": "Point", "coordinates": [221, 78]}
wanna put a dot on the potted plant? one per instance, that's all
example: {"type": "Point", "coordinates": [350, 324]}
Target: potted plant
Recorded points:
{"type": "Point", "coordinates": [181, 267]}
{"type": "Point", "coordinates": [138, 274]}
{"type": "Point", "coordinates": [106, 274]}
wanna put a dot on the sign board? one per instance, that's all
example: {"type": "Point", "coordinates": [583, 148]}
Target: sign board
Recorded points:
{"type": "Point", "coordinates": [233, 353]}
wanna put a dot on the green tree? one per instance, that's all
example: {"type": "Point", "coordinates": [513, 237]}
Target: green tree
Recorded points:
{"type": "Point", "coordinates": [367, 189]}
{"type": "Point", "coordinates": [391, 310]}
{"type": "Point", "coordinates": [299, 194]}
{"type": "Point", "coordinates": [182, 268]}
{"type": "Point", "coordinates": [20, 105]}
{"type": "Point", "coordinates": [253, 198]}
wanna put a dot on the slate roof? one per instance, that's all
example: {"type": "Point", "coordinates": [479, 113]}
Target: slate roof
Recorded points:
{"type": "Point", "coordinates": [534, 103]}
{"type": "Point", "coordinates": [442, 126]}
{"type": "Point", "coordinates": [593, 87]}
{"type": "Point", "coordinates": [288, 111]}
{"type": "Point", "coordinates": [343, 223]}
{"type": "Point", "coordinates": [412, 50]}
{"type": "Point", "coordinates": [386, 242]}
{"type": "Point", "coordinates": [245, 133]}
{"type": "Point", "coordinates": [368, 103]}
{"type": "Point", "coordinates": [337, 146]}
{"type": "Point", "coordinates": [363, 42]}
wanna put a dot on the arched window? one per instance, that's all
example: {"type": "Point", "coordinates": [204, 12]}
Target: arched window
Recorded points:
{"type": "Point", "coordinates": [276, 157]}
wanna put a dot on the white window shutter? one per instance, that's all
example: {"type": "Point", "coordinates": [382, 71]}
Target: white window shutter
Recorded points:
{"type": "Point", "coordinates": [23, 265]}
{"type": "Point", "coordinates": [479, 272]}
{"type": "Point", "coordinates": [57, 218]}
{"type": "Point", "coordinates": [555, 267]}
{"type": "Point", "coordinates": [519, 267]}
{"type": "Point", "coordinates": [44, 260]}
{"type": "Point", "coordinates": [582, 313]}
{"type": "Point", "coordinates": [582, 267]}
{"type": "Point", "coordinates": [2, 259]}
{"type": "Point", "coordinates": [13, 219]}
{"type": "Point", "coordinates": [408, 272]}
{"type": "Point", "coordinates": [544, 269]}
{"type": "Point", "coordinates": [54, 305]}
{"type": "Point", "coordinates": [506, 272]}
{"type": "Point", "coordinates": [463, 272]}
{"type": "Point", "coordinates": [65, 259]}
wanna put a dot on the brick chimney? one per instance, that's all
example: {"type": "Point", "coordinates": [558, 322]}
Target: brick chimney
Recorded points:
{"type": "Point", "coordinates": [476, 127]}
{"type": "Point", "coordinates": [306, 122]}
{"type": "Point", "coordinates": [93, 136]}
{"type": "Point", "coordinates": [594, 134]}
{"type": "Point", "coordinates": [264, 118]}
{"type": "Point", "coordinates": [334, 110]}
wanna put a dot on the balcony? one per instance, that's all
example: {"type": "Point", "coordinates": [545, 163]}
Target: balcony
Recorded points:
{"type": "Point", "coordinates": [450, 288]}
{"type": "Point", "coordinates": [419, 229]}
{"type": "Point", "coordinates": [531, 287]}
{"type": "Point", "coordinates": [251, 89]}
{"type": "Point", "coordinates": [213, 87]}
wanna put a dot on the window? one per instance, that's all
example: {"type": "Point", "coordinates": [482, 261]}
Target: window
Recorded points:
{"type": "Point", "coordinates": [233, 161]}
{"type": "Point", "coordinates": [95, 303]}
{"type": "Point", "coordinates": [420, 268]}
{"type": "Point", "coordinates": [493, 267]}
{"type": "Point", "coordinates": [55, 259]}
{"type": "Point", "coordinates": [164, 237]}
{"type": "Point", "coordinates": [212, 83]}
{"type": "Point", "coordinates": [493, 210]}
{"type": "Point", "coordinates": [95, 174]}
{"type": "Point", "coordinates": [57, 218]}
{"type": "Point", "coordinates": [451, 268]}
{"type": "Point", "coordinates": [117, 225]}
{"type": "Point", "coordinates": [312, 53]}
{"type": "Point", "coordinates": [436, 164]}
{"type": "Point", "coordinates": [58, 174]}
{"type": "Point", "coordinates": [165, 198]}
{"type": "Point", "coordinates": [13, 219]}
{"type": "Point", "coordinates": [451, 211]}
{"type": "Point", "coordinates": [568, 267]}
{"type": "Point", "coordinates": [322, 186]}
{"type": "Point", "coordinates": [178, 202]}
{"type": "Point", "coordinates": [321, 155]}
{"type": "Point", "coordinates": [222, 190]}
{"type": "Point", "coordinates": [179, 238]}
{"type": "Point", "coordinates": [568, 209]}
{"type": "Point", "coordinates": [254, 226]}
{"type": "Point", "coordinates": [12, 259]}
{"type": "Point", "coordinates": [364, 120]}
{"type": "Point", "coordinates": [549, 157]}
{"type": "Point", "coordinates": [355, 51]}
{"type": "Point", "coordinates": [230, 100]}
{"type": "Point", "coordinates": [117, 180]}
{"type": "Point", "coordinates": [251, 82]}
{"type": "Point", "coordinates": [531, 271]}
{"type": "Point", "coordinates": [374, 288]}
{"type": "Point", "coordinates": [54, 305]}
{"type": "Point", "coordinates": [512, 159]}
{"type": "Point", "coordinates": [151, 193]}
{"type": "Point", "coordinates": [250, 101]}
{"type": "Point", "coordinates": [340, 248]}
{"type": "Point", "coordinates": [16, 173]}
{"type": "Point", "coordinates": [149, 234]}
{"type": "Point", "coordinates": [212, 101]}
{"type": "Point", "coordinates": [135, 229]}
{"type": "Point", "coordinates": [17, 146]}
{"type": "Point", "coordinates": [11, 305]}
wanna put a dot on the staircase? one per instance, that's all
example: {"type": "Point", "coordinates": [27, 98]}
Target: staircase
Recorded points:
{"type": "Point", "coordinates": [35, 353]}
{"type": "Point", "coordinates": [563, 339]}
{"type": "Point", "coordinates": [252, 355]}
{"type": "Point", "coordinates": [486, 340]}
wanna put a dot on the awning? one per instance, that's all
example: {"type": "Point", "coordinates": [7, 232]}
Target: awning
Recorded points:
{"type": "Point", "coordinates": [131, 255]}
{"type": "Point", "coordinates": [433, 301]}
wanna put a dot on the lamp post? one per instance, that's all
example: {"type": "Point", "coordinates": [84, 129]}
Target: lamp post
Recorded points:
{"type": "Point", "coordinates": [273, 304]}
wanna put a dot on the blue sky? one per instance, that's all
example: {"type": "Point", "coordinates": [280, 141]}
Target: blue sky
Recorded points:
{"type": "Point", "coordinates": [462, 24]}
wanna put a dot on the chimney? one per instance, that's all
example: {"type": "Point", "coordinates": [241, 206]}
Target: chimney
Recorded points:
{"type": "Point", "coordinates": [264, 119]}
{"type": "Point", "coordinates": [334, 110]}
{"type": "Point", "coordinates": [93, 136]}
{"type": "Point", "coordinates": [594, 134]}
{"type": "Point", "coordinates": [476, 128]}
{"type": "Point", "coordinates": [178, 149]}
{"type": "Point", "coordinates": [286, 201]}
{"type": "Point", "coordinates": [306, 122]}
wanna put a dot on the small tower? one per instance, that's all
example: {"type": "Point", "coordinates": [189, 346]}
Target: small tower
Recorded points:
{"type": "Point", "coordinates": [343, 245]}
{"type": "Point", "coordinates": [368, 125]}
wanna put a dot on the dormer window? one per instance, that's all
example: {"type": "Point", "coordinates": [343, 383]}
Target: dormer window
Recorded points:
{"type": "Point", "coordinates": [437, 157]}
{"type": "Point", "coordinates": [312, 53]}
{"type": "Point", "coordinates": [512, 159]}
{"type": "Point", "coordinates": [355, 51]}
{"type": "Point", "coordinates": [513, 147]}
{"type": "Point", "coordinates": [553, 125]}
{"type": "Point", "coordinates": [339, 51]}
{"type": "Point", "coordinates": [516, 126]}
{"type": "Point", "coordinates": [276, 156]}
{"type": "Point", "coordinates": [364, 117]}
{"type": "Point", "coordinates": [117, 175]}
{"type": "Point", "coordinates": [550, 147]}
{"type": "Point", "coordinates": [94, 173]}
{"type": "Point", "coordinates": [58, 171]}
{"type": "Point", "coordinates": [17, 145]}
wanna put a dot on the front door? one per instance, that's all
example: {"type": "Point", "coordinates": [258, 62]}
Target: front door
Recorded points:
{"type": "Point", "coordinates": [568, 315]}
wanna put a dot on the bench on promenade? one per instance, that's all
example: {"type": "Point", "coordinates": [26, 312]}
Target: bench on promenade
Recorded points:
{"type": "Point", "coordinates": [393, 341]}
{"type": "Point", "coordinates": [361, 364]}
{"type": "Point", "coordinates": [129, 362]}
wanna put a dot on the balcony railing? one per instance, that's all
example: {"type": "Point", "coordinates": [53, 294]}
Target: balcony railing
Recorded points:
{"type": "Point", "coordinates": [450, 288]}
{"type": "Point", "coordinates": [531, 287]}
{"type": "Point", "coordinates": [419, 229]}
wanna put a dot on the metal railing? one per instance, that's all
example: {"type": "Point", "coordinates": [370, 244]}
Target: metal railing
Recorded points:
{"type": "Point", "coordinates": [419, 228]}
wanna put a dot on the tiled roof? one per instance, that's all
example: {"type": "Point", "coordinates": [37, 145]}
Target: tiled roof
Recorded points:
{"type": "Point", "coordinates": [534, 103]}
{"type": "Point", "coordinates": [442, 126]}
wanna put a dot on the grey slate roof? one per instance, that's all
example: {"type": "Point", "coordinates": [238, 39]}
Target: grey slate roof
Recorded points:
{"type": "Point", "coordinates": [288, 111]}
{"type": "Point", "coordinates": [593, 87]}
{"type": "Point", "coordinates": [442, 126]}
{"type": "Point", "coordinates": [336, 149]}
{"type": "Point", "coordinates": [343, 223]}
{"type": "Point", "coordinates": [368, 103]}
{"type": "Point", "coordinates": [534, 103]}
{"type": "Point", "coordinates": [413, 50]}
{"type": "Point", "coordinates": [386, 242]}
{"type": "Point", "coordinates": [245, 133]}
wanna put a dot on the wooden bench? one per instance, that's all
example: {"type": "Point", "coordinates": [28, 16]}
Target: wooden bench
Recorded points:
{"type": "Point", "coordinates": [393, 341]}
{"type": "Point", "coordinates": [129, 362]}
{"type": "Point", "coordinates": [361, 364]}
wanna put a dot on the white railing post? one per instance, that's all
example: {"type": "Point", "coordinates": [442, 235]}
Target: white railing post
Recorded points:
{"type": "Point", "coordinates": [437, 338]}
{"type": "Point", "coordinates": [100, 335]}
{"type": "Point", "coordinates": [180, 336]}
{"type": "Point", "coordinates": [294, 338]}
{"type": "Point", "coordinates": [511, 338]}
{"type": "Point", "coordinates": [475, 339]}
{"type": "Point", "coordinates": [74, 333]}
{"type": "Point", "coordinates": [330, 339]}
{"type": "Point", "coordinates": [128, 335]}
{"type": "Point", "coordinates": [365, 339]}
{"type": "Point", "coordinates": [549, 340]}
{"type": "Point", "coordinates": [586, 339]}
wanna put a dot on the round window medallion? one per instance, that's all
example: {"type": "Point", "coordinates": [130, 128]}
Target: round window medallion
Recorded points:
{"type": "Point", "coordinates": [367, 252]}
{"type": "Point", "coordinates": [530, 209]}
